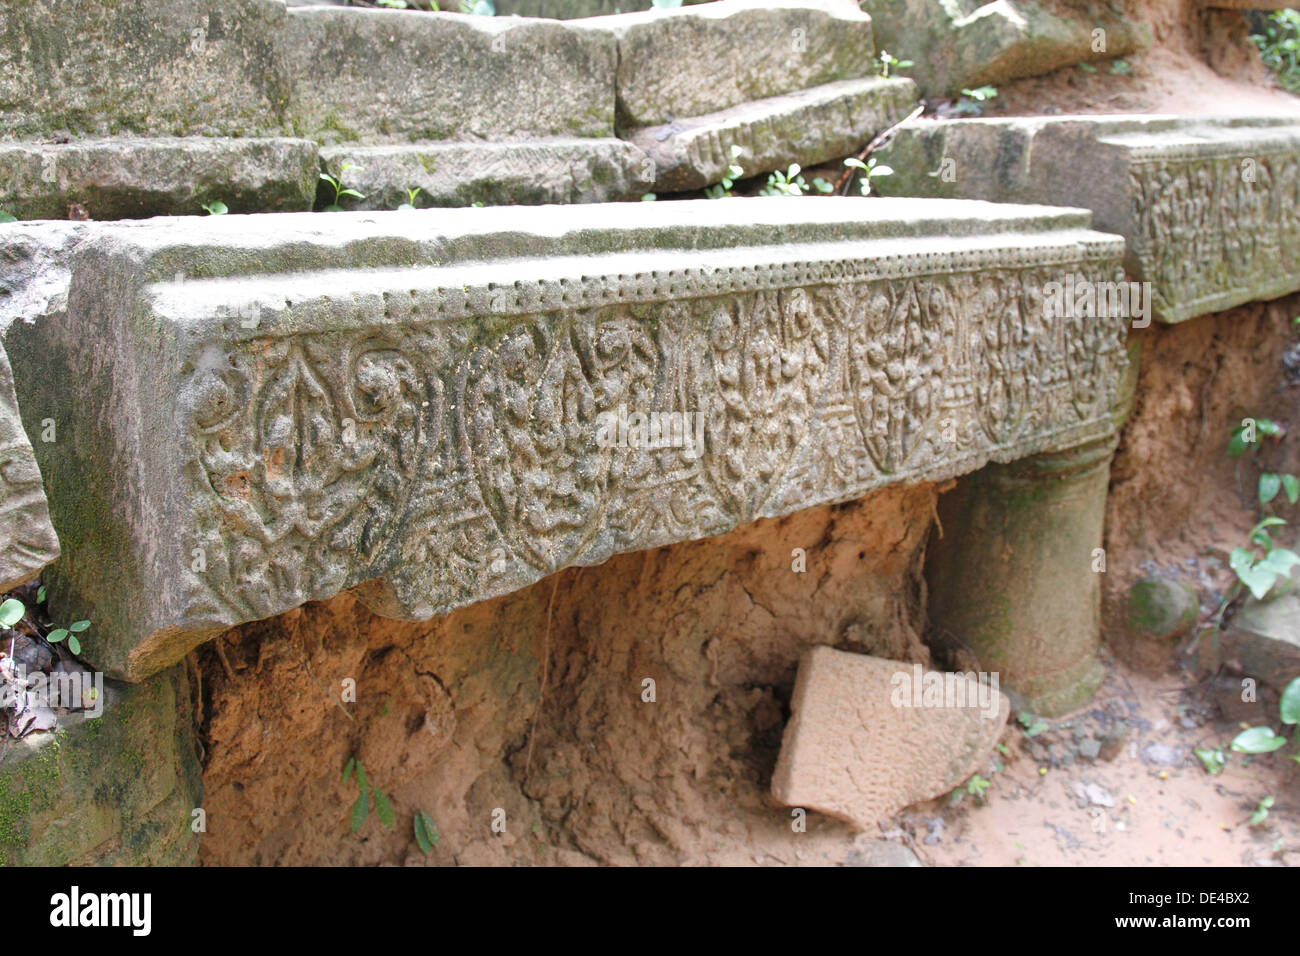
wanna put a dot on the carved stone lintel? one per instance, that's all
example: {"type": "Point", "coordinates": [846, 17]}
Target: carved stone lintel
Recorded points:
{"type": "Point", "coordinates": [441, 407]}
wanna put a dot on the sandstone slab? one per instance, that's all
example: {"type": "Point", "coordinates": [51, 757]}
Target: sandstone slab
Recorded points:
{"type": "Point", "coordinates": [1264, 637]}
{"type": "Point", "coordinates": [955, 44]}
{"type": "Point", "coordinates": [131, 178]}
{"type": "Point", "coordinates": [113, 789]}
{"type": "Point", "coordinates": [1210, 207]}
{"type": "Point", "coordinates": [807, 127]}
{"type": "Point", "coordinates": [27, 539]}
{"type": "Point", "coordinates": [446, 405]}
{"type": "Point", "coordinates": [538, 172]}
{"type": "Point", "coordinates": [859, 750]}
{"type": "Point", "coordinates": [697, 60]}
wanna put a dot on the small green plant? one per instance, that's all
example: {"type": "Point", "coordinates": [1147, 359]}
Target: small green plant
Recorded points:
{"type": "Point", "coordinates": [1279, 46]}
{"type": "Point", "coordinates": [13, 610]}
{"type": "Point", "coordinates": [972, 102]}
{"type": "Point", "coordinates": [1261, 811]}
{"type": "Point", "coordinates": [1264, 740]}
{"type": "Point", "coordinates": [1258, 572]}
{"type": "Point", "coordinates": [977, 786]}
{"type": "Point", "coordinates": [791, 183]}
{"type": "Point", "coordinates": [365, 795]}
{"type": "Point", "coordinates": [867, 171]}
{"type": "Point", "coordinates": [392, 4]}
{"type": "Point", "coordinates": [478, 8]}
{"type": "Point", "coordinates": [649, 197]}
{"type": "Point", "coordinates": [722, 189]}
{"type": "Point", "coordinates": [216, 208]}
{"type": "Point", "coordinates": [336, 183]}
{"type": "Point", "coordinates": [1033, 725]}
{"type": "Point", "coordinates": [410, 199]}
{"type": "Point", "coordinates": [426, 832]}
{"type": "Point", "coordinates": [886, 63]}
{"type": "Point", "coordinates": [1120, 68]}
{"type": "Point", "coordinates": [1087, 68]}
{"type": "Point", "coordinates": [1212, 758]}
{"type": "Point", "coordinates": [6, 217]}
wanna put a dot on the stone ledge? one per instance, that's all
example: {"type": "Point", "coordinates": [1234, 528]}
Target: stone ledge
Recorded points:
{"type": "Point", "coordinates": [413, 403]}
{"type": "Point", "coordinates": [539, 172]}
{"type": "Point", "coordinates": [1159, 181]}
{"type": "Point", "coordinates": [132, 178]}
{"type": "Point", "coordinates": [807, 127]}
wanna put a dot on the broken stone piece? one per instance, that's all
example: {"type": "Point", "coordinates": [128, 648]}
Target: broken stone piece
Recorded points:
{"type": "Point", "coordinates": [863, 742]}
{"type": "Point", "coordinates": [27, 539]}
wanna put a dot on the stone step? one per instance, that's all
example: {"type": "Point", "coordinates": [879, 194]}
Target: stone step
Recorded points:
{"type": "Point", "coordinates": [807, 127]}
{"type": "Point", "coordinates": [1210, 207]}
{"type": "Point", "coordinates": [135, 178]}
{"type": "Point", "coordinates": [868, 737]}
{"type": "Point", "coordinates": [534, 173]}
{"type": "Point", "coordinates": [441, 406]}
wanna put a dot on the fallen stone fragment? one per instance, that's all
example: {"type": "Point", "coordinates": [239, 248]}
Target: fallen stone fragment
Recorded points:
{"type": "Point", "coordinates": [137, 178]}
{"type": "Point", "coordinates": [850, 752]}
{"type": "Point", "coordinates": [533, 173]}
{"type": "Point", "coordinates": [27, 539]}
{"type": "Point", "coordinates": [880, 853]}
{"type": "Point", "coordinates": [1210, 207]}
{"type": "Point", "coordinates": [807, 127]}
{"type": "Point", "coordinates": [1264, 637]}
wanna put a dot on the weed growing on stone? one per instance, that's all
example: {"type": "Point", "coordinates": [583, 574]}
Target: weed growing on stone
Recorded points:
{"type": "Point", "coordinates": [1259, 740]}
{"type": "Point", "coordinates": [869, 170]}
{"type": "Point", "coordinates": [886, 63]}
{"type": "Point", "coordinates": [972, 102]}
{"type": "Point", "coordinates": [13, 610]}
{"type": "Point", "coordinates": [792, 183]}
{"type": "Point", "coordinates": [1279, 47]}
{"type": "Point", "coordinates": [410, 199]}
{"type": "Point", "coordinates": [216, 208]}
{"type": "Point", "coordinates": [336, 183]}
{"type": "Point", "coordinates": [722, 190]}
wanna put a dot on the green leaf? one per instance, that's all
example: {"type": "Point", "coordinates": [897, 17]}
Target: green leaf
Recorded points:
{"type": "Point", "coordinates": [348, 768]}
{"type": "Point", "coordinates": [1269, 485]}
{"type": "Point", "coordinates": [7, 217]}
{"type": "Point", "coordinates": [384, 810]}
{"type": "Point", "coordinates": [78, 626]}
{"type": "Point", "coordinates": [1290, 703]}
{"type": "Point", "coordinates": [362, 780]}
{"type": "Point", "coordinates": [216, 208]}
{"type": "Point", "coordinates": [359, 809]}
{"type": "Point", "coordinates": [421, 838]}
{"type": "Point", "coordinates": [74, 645]}
{"type": "Point", "coordinates": [1257, 740]}
{"type": "Point", "coordinates": [1266, 426]}
{"type": "Point", "coordinates": [425, 822]}
{"type": "Point", "coordinates": [1212, 758]}
{"type": "Point", "coordinates": [1237, 443]}
{"type": "Point", "coordinates": [855, 163]}
{"type": "Point", "coordinates": [40, 594]}
{"type": "Point", "coordinates": [351, 192]}
{"type": "Point", "coordinates": [1292, 486]}
{"type": "Point", "coordinates": [882, 170]}
{"type": "Point", "coordinates": [1279, 561]}
{"type": "Point", "coordinates": [56, 635]}
{"type": "Point", "coordinates": [11, 612]}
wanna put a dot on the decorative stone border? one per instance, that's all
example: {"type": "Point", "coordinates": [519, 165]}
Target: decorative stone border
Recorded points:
{"type": "Point", "coordinates": [413, 404]}
{"type": "Point", "coordinates": [1210, 207]}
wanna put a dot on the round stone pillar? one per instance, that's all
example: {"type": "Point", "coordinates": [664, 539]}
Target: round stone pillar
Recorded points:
{"type": "Point", "coordinates": [1016, 577]}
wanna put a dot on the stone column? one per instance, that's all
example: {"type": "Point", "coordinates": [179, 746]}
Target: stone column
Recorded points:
{"type": "Point", "coordinates": [1015, 577]}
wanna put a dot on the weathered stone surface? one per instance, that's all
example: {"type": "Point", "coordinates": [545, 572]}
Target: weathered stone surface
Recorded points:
{"type": "Point", "coordinates": [1015, 576]}
{"type": "Point", "coordinates": [1264, 637]}
{"type": "Point", "coordinates": [1161, 608]}
{"type": "Point", "coordinates": [251, 67]}
{"type": "Point", "coordinates": [690, 62]}
{"type": "Point", "coordinates": [881, 853]}
{"type": "Point", "coordinates": [418, 403]}
{"type": "Point", "coordinates": [136, 178]}
{"type": "Point", "coordinates": [115, 789]}
{"type": "Point", "coordinates": [1210, 207]}
{"type": "Point", "coordinates": [402, 76]}
{"type": "Point", "coordinates": [27, 540]}
{"type": "Point", "coordinates": [495, 174]}
{"type": "Point", "coordinates": [807, 127]}
{"type": "Point", "coordinates": [574, 9]}
{"type": "Point", "coordinates": [150, 67]}
{"type": "Point", "coordinates": [956, 44]}
{"type": "Point", "coordinates": [858, 749]}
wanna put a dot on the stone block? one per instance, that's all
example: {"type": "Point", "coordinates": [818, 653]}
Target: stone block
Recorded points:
{"type": "Point", "coordinates": [27, 540]}
{"type": "Point", "coordinates": [116, 789]}
{"type": "Point", "coordinates": [535, 173]}
{"type": "Point", "coordinates": [701, 59]}
{"type": "Point", "coordinates": [440, 406]}
{"type": "Point", "coordinates": [955, 44]}
{"type": "Point", "coordinates": [131, 178]}
{"type": "Point", "coordinates": [1210, 207]}
{"type": "Point", "coordinates": [807, 127]}
{"type": "Point", "coordinates": [863, 742]}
